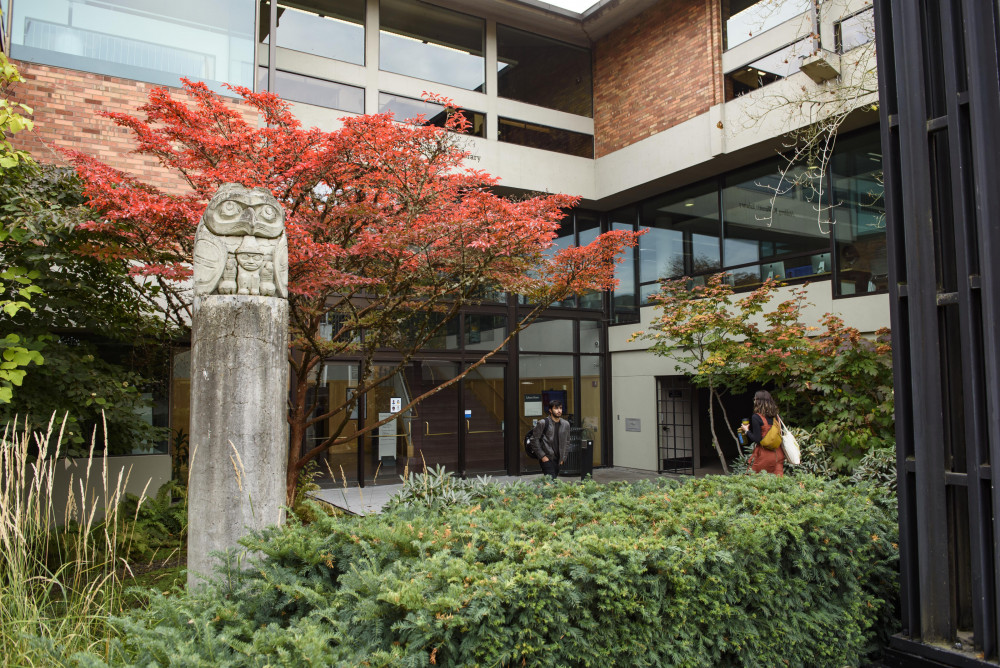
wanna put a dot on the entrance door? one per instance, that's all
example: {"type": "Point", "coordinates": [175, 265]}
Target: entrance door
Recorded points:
{"type": "Point", "coordinates": [483, 420]}
{"type": "Point", "coordinates": [675, 426]}
{"type": "Point", "coordinates": [433, 426]}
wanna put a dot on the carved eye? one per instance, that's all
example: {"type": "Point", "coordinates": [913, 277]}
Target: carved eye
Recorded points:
{"type": "Point", "coordinates": [268, 212]}
{"type": "Point", "coordinates": [230, 209]}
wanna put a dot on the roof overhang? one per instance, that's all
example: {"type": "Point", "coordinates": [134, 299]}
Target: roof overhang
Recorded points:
{"type": "Point", "coordinates": [546, 19]}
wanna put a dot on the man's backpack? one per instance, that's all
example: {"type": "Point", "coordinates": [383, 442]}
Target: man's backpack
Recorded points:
{"type": "Point", "coordinates": [529, 442]}
{"type": "Point", "coordinates": [771, 440]}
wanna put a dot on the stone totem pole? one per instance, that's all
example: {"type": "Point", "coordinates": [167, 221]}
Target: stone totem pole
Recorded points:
{"type": "Point", "coordinates": [239, 373]}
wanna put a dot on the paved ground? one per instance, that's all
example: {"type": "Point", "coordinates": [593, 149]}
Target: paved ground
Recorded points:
{"type": "Point", "coordinates": [370, 499]}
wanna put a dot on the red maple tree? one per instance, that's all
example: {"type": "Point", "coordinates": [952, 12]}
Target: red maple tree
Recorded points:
{"type": "Point", "coordinates": [390, 235]}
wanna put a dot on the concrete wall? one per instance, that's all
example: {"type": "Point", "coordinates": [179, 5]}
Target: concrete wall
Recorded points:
{"type": "Point", "coordinates": [634, 370]}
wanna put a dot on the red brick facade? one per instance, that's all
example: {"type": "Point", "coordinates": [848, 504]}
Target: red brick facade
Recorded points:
{"type": "Point", "coordinates": [66, 104]}
{"type": "Point", "coordinates": [659, 69]}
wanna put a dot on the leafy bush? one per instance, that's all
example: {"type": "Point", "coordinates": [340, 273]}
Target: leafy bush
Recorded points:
{"type": "Point", "coordinates": [436, 487]}
{"type": "Point", "coordinates": [878, 467]}
{"type": "Point", "coordinates": [722, 571]}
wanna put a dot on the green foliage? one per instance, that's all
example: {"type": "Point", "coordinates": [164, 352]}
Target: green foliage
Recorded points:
{"type": "Point", "coordinates": [40, 217]}
{"type": "Point", "coordinates": [437, 487]}
{"type": "Point", "coordinates": [878, 467]}
{"type": "Point", "coordinates": [11, 120]}
{"type": "Point", "coordinates": [722, 571]}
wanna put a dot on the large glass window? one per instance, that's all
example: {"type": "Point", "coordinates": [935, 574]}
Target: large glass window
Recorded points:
{"type": "Point", "coordinates": [749, 18]}
{"type": "Point", "coordinates": [546, 138]}
{"type": "Point", "coordinates": [543, 379]}
{"type": "Point", "coordinates": [407, 108]}
{"type": "Point", "coordinates": [138, 39]}
{"type": "Point", "coordinates": [588, 227]}
{"type": "Point", "coordinates": [542, 71]}
{"type": "Point", "coordinates": [427, 42]}
{"type": "Point", "coordinates": [331, 28]}
{"type": "Point", "coordinates": [683, 235]}
{"type": "Point", "coordinates": [859, 215]}
{"type": "Point", "coordinates": [310, 90]}
{"type": "Point", "coordinates": [854, 31]}
{"type": "Point", "coordinates": [787, 239]}
{"type": "Point", "coordinates": [484, 331]}
{"type": "Point", "coordinates": [624, 306]}
{"type": "Point", "coordinates": [773, 67]}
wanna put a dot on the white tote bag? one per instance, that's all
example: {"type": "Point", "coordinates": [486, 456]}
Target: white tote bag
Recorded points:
{"type": "Point", "coordinates": [789, 445]}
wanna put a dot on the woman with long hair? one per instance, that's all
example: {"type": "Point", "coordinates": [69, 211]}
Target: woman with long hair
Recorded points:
{"type": "Point", "coordinates": [765, 414]}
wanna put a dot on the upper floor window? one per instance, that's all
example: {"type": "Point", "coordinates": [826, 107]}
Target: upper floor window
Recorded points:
{"type": "Point", "coordinates": [544, 72]}
{"type": "Point", "coordinates": [406, 108]}
{"type": "Point", "coordinates": [547, 138]}
{"type": "Point", "coordinates": [311, 90]}
{"type": "Point", "coordinates": [331, 28]}
{"type": "Point", "coordinates": [749, 18]}
{"type": "Point", "coordinates": [855, 30]}
{"type": "Point", "coordinates": [432, 43]}
{"type": "Point", "coordinates": [136, 39]}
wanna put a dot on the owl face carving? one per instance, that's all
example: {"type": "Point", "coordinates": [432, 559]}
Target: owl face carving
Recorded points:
{"type": "Point", "coordinates": [240, 245]}
{"type": "Point", "coordinates": [237, 211]}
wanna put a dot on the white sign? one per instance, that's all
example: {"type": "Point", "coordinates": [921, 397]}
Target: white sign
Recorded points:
{"type": "Point", "coordinates": [468, 413]}
{"type": "Point", "coordinates": [386, 437]}
{"type": "Point", "coordinates": [395, 404]}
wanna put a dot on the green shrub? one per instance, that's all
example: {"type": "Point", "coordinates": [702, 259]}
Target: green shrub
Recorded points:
{"type": "Point", "coordinates": [437, 487]}
{"type": "Point", "coordinates": [723, 571]}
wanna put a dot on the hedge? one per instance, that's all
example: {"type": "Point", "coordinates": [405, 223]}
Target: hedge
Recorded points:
{"type": "Point", "coordinates": [723, 571]}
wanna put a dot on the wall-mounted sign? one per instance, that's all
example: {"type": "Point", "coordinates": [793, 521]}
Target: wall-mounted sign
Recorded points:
{"type": "Point", "coordinates": [395, 404]}
{"type": "Point", "coordinates": [386, 437]}
{"type": "Point", "coordinates": [468, 413]}
{"type": "Point", "coordinates": [632, 424]}
{"type": "Point", "coordinates": [532, 405]}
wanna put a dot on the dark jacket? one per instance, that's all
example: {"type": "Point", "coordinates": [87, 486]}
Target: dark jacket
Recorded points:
{"type": "Point", "coordinates": [544, 434]}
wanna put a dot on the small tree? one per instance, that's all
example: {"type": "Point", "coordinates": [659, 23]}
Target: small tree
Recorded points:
{"type": "Point", "coordinates": [390, 236]}
{"type": "Point", "coordinates": [708, 333]}
{"type": "Point", "coordinates": [830, 379]}
{"type": "Point", "coordinates": [16, 287]}
{"type": "Point", "coordinates": [78, 303]}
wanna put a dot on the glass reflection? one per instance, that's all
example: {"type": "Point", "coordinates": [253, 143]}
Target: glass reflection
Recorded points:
{"type": "Point", "coordinates": [623, 299]}
{"type": "Point", "coordinates": [484, 332]}
{"type": "Point", "coordinates": [683, 236]}
{"type": "Point", "coordinates": [859, 231]}
{"type": "Point", "coordinates": [310, 90]}
{"type": "Point", "coordinates": [542, 71]}
{"type": "Point", "coordinates": [331, 29]}
{"type": "Point", "coordinates": [407, 108]}
{"type": "Point", "coordinates": [546, 138]}
{"type": "Point", "coordinates": [432, 43]}
{"type": "Point", "coordinates": [134, 39]}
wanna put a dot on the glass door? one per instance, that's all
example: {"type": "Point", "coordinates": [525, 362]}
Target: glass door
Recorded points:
{"type": "Point", "coordinates": [432, 426]}
{"type": "Point", "coordinates": [483, 420]}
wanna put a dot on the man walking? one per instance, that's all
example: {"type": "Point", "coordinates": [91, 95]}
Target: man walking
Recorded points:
{"type": "Point", "coordinates": [551, 436]}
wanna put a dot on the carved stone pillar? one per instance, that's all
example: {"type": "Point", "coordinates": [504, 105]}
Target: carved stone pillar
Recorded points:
{"type": "Point", "coordinates": [239, 374]}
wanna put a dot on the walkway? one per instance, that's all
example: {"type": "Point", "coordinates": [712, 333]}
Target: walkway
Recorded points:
{"type": "Point", "coordinates": [370, 499]}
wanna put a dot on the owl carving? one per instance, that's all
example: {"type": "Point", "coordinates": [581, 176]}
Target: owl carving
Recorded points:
{"type": "Point", "coordinates": [240, 245]}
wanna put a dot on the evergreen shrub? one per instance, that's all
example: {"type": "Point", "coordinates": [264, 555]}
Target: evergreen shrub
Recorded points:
{"type": "Point", "coordinates": [722, 571]}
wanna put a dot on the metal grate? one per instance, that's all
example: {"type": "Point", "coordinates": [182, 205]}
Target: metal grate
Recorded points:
{"type": "Point", "coordinates": [674, 426]}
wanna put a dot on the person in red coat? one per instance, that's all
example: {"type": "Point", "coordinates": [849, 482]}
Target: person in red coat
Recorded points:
{"type": "Point", "coordinates": [765, 413]}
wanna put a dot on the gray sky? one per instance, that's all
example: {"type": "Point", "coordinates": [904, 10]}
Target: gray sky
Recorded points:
{"type": "Point", "coordinates": [573, 5]}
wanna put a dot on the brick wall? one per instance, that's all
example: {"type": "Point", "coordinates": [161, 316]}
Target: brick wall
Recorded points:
{"type": "Point", "coordinates": [661, 68]}
{"type": "Point", "coordinates": [66, 105]}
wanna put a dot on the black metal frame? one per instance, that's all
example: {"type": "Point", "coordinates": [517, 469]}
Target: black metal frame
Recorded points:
{"type": "Point", "coordinates": [940, 103]}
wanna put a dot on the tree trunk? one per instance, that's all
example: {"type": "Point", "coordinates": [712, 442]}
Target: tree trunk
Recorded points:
{"type": "Point", "coordinates": [711, 425]}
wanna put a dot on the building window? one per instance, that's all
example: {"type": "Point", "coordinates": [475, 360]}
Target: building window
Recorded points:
{"type": "Point", "coordinates": [546, 138]}
{"type": "Point", "coordinates": [749, 18]}
{"type": "Point", "coordinates": [588, 227]}
{"type": "Point", "coordinates": [310, 90]}
{"type": "Point", "coordinates": [854, 31]}
{"type": "Point", "coordinates": [331, 29]}
{"type": "Point", "coordinates": [859, 216]}
{"type": "Point", "coordinates": [624, 306]}
{"type": "Point", "coordinates": [544, 72]}
{"type": "Point", "coordinates": [775, 66]}
{"type": "Point", "coordinates": [783, 240]}
{"type": "Point", "coordinates": [426, 42]}
{"type": "Point", "coordinates": [683, 235]}
{"type": "Point", "coordinates": [484, 331]}
{"type": "Point", "coordinates": [407, 108]}
{"type": "Point", "coordinates": [133, 39]}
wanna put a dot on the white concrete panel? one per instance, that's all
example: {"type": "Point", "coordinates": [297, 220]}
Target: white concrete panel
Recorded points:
{"type": "Point", "coordinates": [534, 169]}
{"type": "Point", "coordinates": [634, 396]}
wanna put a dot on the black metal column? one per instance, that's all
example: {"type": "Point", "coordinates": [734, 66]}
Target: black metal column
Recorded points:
{"type": "Point", "coordinates": [940, 110]}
